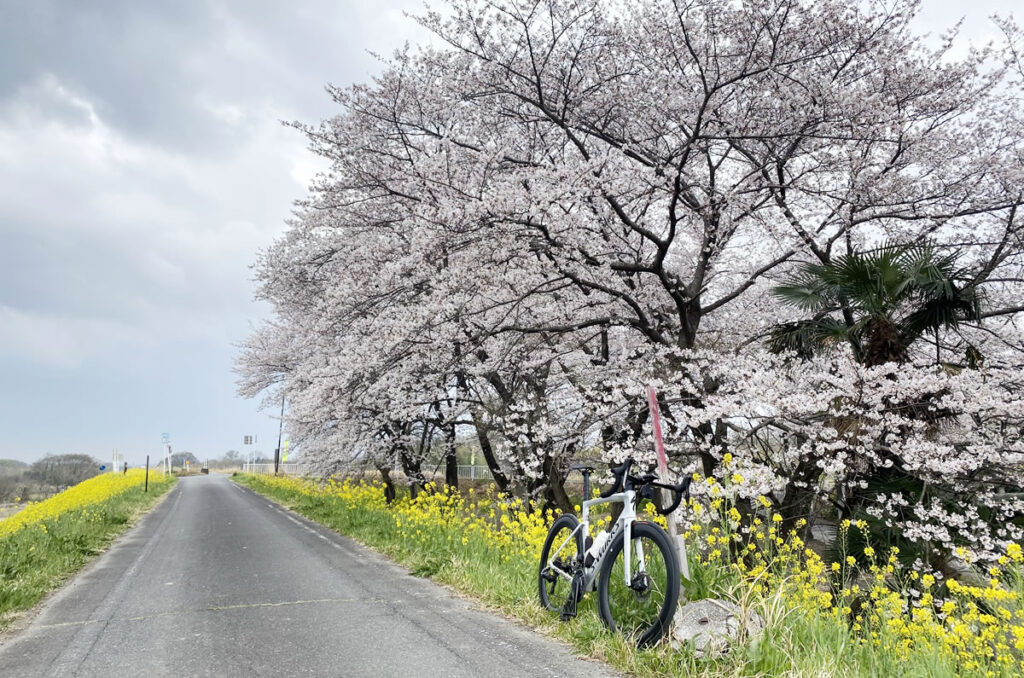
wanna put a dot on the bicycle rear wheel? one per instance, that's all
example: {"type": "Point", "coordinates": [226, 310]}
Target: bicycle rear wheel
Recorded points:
{"type": "Point", "coordinates": [643, 608]}
{"type": "Point", "coordinates": [554, 580]}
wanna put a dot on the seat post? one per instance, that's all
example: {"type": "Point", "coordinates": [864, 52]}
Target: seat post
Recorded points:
{"type": "Point", "coordinates": [586, 485]}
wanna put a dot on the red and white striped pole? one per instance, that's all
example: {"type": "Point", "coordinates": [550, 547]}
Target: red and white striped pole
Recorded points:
{"type": "Point", "coordinates": [659, 446]}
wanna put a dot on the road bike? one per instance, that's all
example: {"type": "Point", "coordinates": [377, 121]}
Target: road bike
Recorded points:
{"type": "Point", "coordinates": [633, 566]}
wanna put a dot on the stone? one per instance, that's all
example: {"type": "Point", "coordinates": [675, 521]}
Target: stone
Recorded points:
{"type": "Point", "coordinates": [710, 626]}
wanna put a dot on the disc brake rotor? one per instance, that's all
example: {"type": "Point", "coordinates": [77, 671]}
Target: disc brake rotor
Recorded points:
{"type": "Point", "coordinates": [641, 586]}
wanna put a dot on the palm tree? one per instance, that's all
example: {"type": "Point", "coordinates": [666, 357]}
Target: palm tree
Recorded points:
{"type": "Point", "coordinates": [880, 302]}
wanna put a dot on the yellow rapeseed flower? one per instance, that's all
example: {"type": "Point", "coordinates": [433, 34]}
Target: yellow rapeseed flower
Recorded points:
{"type": "Point", "coordinates": [76, 498]}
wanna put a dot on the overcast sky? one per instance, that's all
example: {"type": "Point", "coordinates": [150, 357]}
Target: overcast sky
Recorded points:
{"type": "Point", "coordinates": [142, 167]}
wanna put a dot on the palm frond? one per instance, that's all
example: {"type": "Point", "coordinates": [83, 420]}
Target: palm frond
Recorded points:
{"type": "Point", "coordinates": [805, 292]}
{"type": "Point", "coordinates": [906, 290]}
{"type": "Point", "coordinates": [807, 338]}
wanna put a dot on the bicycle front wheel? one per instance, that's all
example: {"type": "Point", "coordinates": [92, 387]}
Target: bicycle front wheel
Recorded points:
{"type": "Point", "coordinates": [641, 604]}
{"type": "Point", "coordinates": [559, 560]}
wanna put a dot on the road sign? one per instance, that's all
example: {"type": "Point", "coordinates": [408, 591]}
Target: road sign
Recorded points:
{"type": "Point", "coordinates": [165, 438]}
{"type": "Point", "coordinates": [247, 440]}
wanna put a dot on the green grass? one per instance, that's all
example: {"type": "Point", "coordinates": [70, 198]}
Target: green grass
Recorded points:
{"type": "Point", "coordinates": [33, 562]}
{"type": "Point", "coordinates": [794, 642]}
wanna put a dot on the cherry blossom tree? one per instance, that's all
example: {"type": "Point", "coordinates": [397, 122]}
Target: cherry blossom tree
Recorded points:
{"type": "Point", "coordinates": [567, 200]}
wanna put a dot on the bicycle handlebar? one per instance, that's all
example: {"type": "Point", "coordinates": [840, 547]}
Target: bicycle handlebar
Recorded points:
{"type": "Point", "coordinates": [620, 472]}
{"type": "Point", "coordinates": [622, 478]}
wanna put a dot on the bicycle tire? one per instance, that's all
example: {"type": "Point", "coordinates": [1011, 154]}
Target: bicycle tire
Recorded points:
{"type": "Point", "coordinates": [553, 593]}
{"type": "Point", "coordinates": [623, 608]}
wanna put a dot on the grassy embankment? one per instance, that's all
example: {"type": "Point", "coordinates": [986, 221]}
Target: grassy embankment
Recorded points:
{"type": "Point", "coordinates": [820, 620]}
{"type": "Point", "coordinates": [48, 541]}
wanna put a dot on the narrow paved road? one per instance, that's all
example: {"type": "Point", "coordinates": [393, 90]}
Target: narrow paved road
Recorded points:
{"type": "Point", "coordinates": [217, 581]}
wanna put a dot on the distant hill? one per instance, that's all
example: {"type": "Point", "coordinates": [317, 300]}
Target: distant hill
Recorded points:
{"type": "Point", "coordinates": [12, 479]}
{"type": "Point", "coordinates": [12, 466]}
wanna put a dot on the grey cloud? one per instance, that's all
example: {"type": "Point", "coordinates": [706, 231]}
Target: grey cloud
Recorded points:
{"type": "Point", "coordinates": [142, 166]}
{"type": "Point", "coordinates": [160, 70]}
{"type": "Point", "coordinates": [122, 55]}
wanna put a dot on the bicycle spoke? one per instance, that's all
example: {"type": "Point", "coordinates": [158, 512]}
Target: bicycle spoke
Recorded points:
{"type": "Point", "coordinates": [559, 559]}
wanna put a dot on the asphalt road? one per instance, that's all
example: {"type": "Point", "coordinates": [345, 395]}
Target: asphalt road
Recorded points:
{"type": "Point", "coordinates": [217, 581]}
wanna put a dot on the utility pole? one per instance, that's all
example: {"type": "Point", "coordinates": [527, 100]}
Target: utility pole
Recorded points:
{"type": "Point", "coordinates": [280, 429]}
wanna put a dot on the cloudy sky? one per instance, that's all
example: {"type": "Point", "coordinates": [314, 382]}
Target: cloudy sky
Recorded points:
{"type": "Point", "coordinates": [142, 167]}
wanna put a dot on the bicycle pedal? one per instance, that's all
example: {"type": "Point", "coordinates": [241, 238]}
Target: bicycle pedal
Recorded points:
{"type": "Point", "coordinates": [574, 597]}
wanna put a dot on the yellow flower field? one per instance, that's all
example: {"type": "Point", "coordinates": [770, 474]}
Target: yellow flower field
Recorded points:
{"type": "Point", "coordinates": [501, 522]}
{"type": "Point", "coordinates": [92, 491]}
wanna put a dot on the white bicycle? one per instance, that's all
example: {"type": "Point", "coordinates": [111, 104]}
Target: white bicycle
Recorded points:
{"type": "Point", "coordinates": [633, 566]}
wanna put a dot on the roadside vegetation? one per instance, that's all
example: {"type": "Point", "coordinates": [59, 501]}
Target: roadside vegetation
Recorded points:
{"type": "Point", "coordinates": [839, 615]}
{"type": "Point", "coordinates": [47, 541]}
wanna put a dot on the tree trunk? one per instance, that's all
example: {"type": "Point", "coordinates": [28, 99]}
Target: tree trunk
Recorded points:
{"type": "Point", "coordinates": [798, 500]}
{"type": "Point", "coordinates": [884, 343]}
{"type": "Point", "coordinates": [413, 472]}
{"type": "Point", "coordinates": [500, 479]}
{"type": "Point", "coordinates": [389, 485]}
{"type": "Point", "coordinates": [451, 461]}
{"type": "Point", "coordinates": [554, 493]}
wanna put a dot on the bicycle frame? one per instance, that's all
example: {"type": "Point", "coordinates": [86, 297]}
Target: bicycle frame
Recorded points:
{"type": "Point", "coordinates": [625, 522]}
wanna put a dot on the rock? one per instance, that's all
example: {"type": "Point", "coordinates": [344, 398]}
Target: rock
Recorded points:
{"type": "Point", "coordinates": [961, 570]}
{"type": "Point", "coordinates": [711, 625]}
{"type": "Point", "coordinates": [826, 533]}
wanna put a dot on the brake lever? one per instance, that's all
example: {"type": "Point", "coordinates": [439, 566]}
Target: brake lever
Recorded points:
{"type": "Point", "coordinates": [681, 490]}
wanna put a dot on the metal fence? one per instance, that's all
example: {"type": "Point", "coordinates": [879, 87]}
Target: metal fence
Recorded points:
{"type": "Point", "coordinates": [286, 469]}
{"type": "Point", "coordinates": [466, 471]}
